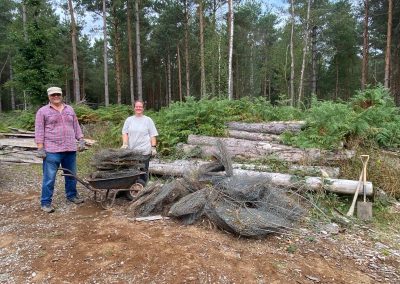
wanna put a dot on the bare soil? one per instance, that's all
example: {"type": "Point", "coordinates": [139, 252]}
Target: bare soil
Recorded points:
{"type": "Point", "coordinates": [86, 244]}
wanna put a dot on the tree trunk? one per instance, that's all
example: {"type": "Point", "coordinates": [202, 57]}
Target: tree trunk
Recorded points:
{"type": "Point", "coordinates": [264, 86]}
{"type": "Point", "coordinates": [203, 91]}
{"type": "Point", "coordinates": [251, 59]}
{"type": "Point", "coordinates": [130, 54]}
{"type": "Point", "coordinates": [117, 56]}
{"type": "Point", "coordinates": [230, 50]}
{"type": "Point", "coordinates": [305, 48]}
{"type": "Point", "coordinates": [67, 91]}
{"type": "Point", "coordinates": [292, 96]}
{"type": "Point", "coordinates": [388, 45]}
{"type": "Point", "coordinates": [239, 86]}
{"type": "Point", "coordinates": [269, 87]}
{"type": "Point", "coordinates": [396, 81]}
{"type": "Point", "coordinates": [364, 71]}
{"type": "Point", "coordinates": [219, 65]}
{"type": "Point", "coordinates": [314, 61]}
{"type": "Point", "coordinates": [169, 79]}
{"type": "Point", "coordinates": [275, 127]}
{"type": "Point", "coordinates": [285, 69]}
{"type": "Point", "coordinates": [12, 94]}
{"type": "Point", "coordinates": [254, 136]}
{"type": "Point", "coordinates": [160, 98]}
{"type": "Point", "coordinates": [24, 24]}
{"type": "Point", "coordinates": [1, 71]}
{"type": "Point", "coordinates": [74, 54]}
{"type": "Point", "coordinates": [235, 142]}
{"type": "Point", "coordinates": [214, 59]}
{"type": "Point", "coordinates": [337, 80]}
{"type": "Point", "coordinates": [105, 56]}
{"type": "Point", "coordinates": [138, 54]}
{"type": "Point", "coordinates": [187, 68]}
{"type": "Point", "coordinates": [179, 73]}
{"type": "Point", "coordinates": [166, 96]}
{"type": "Point", "coordinates": [83, 93]}
{"type": "Point", "coordinates": [25, 100]}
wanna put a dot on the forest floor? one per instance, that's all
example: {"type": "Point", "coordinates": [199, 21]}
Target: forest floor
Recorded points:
{"type": "Point", "coordinates": [86, 244]}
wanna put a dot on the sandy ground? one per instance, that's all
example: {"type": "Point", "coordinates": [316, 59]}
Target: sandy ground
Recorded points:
{"type": "Point", "coordinates": [86, 244]}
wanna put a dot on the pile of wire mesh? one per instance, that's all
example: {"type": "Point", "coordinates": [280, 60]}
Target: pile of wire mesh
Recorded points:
{"type": "Point", "coordinates": [110, 163]}
{"type": "Point", "coordinates": [244, 205]}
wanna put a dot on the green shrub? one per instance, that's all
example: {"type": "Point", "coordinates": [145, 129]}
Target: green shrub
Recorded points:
{"type": "Point", "coordinates": [114, 113]}
{"type": "Point", "coordinates": [327, 124]}
{"type": "Point", "coordinates": [370, 118]}
{"type": "Point", "coordinates": [23, 120]}
{"type": "Point", "coordinates": [85, 114]}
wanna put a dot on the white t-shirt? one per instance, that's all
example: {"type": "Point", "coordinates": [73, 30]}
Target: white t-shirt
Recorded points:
{"type": "Point", "coordinates": [140, 129]}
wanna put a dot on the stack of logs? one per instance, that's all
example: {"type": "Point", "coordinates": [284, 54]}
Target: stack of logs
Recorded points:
{"type": "Point", "coordinates": [257, 140]}
{"type": "Point", "coordinates": [18, 147]}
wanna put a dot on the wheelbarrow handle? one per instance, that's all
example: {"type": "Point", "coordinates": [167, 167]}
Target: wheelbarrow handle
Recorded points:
{"type": "Point", "coordinates": [71, 174]}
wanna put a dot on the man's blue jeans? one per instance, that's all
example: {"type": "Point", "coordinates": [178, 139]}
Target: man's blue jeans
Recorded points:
{"type": "Point", "coordinates": [50, 166]}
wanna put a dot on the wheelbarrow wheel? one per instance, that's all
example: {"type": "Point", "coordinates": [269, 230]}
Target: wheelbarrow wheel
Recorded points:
{"type": "Point", "coordinates": [134, 190]}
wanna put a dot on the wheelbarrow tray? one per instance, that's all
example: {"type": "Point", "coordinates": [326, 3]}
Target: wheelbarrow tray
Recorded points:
{"type": "Point", "coordinates": [123, 182]}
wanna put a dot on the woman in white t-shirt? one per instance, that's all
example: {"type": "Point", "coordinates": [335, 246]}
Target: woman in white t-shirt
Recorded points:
{"type": "Point", "coordinates": [140, 134]}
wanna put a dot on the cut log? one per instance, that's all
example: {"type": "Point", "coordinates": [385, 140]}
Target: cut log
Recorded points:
{"type": "Point", "coordinates": [273, 127]}
{"type": "Point", "coordinates": [179, 168]}
{"type": "Point", "coordinates": [23, 135]}
{"type": "Point", "coordinates": [18, 142]}
{"type": "Point", "coordinates": [21, 130]}
{"type": "Point", "coordinates": [343, 186]}
{"type": "Point", "coordinates": [21, 157]}
{"type": "Point", "coordinates": [312, 183]}
{"type": "Point", "coordinates": [254, 136]}
{"type": "Point", "coordinates": [234, 142]}
{"type": "Point", "coordinates": [332, 172]}
{"type": "Point", "coordinates": [176, 168]}
{"type": "Point", "coordinates": [29, 143]}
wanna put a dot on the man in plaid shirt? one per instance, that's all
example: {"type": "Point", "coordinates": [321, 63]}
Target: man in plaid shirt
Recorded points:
{"type": "Point", "coordinates": [56, 132]}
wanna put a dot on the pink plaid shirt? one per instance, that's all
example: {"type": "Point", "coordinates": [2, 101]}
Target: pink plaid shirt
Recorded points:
{"type": "Point", "coordinates": [57, 131]}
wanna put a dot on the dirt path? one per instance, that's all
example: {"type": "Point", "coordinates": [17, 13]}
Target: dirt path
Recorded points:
{"type": "Point", "coordinates": [85, 244]}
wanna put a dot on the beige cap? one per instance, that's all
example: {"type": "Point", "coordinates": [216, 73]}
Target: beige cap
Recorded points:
{"type": "Point", "coordinates": [54, 90]}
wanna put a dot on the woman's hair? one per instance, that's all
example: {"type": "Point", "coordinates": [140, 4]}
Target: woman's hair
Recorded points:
{"type": "Point", "coordinates": [139, 101]}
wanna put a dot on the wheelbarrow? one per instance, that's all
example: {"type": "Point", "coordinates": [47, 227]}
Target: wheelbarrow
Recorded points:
{"type": "Point", "coordinates": [106, 189]}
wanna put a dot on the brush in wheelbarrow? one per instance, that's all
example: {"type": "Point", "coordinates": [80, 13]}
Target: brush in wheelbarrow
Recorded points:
{"type": "Point", "coordinates": [105, 189]}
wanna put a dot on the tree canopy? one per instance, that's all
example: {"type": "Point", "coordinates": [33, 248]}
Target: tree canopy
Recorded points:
{"type": "Point", "coordinates": [183, 40]}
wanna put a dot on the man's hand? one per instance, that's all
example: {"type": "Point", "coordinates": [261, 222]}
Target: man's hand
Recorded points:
{"type": "Point", "coordinates": [41, 153]}
{"type": "Point", "coordinates": [153, 151]}
{"type": "Point", "coordinates": [124, 146]}
{"type": "Point", "coordinates": [81, 145]}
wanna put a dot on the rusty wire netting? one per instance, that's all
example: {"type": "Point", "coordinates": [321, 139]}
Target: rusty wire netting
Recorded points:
{"type": "Point", "coordinates": [244, 205]}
